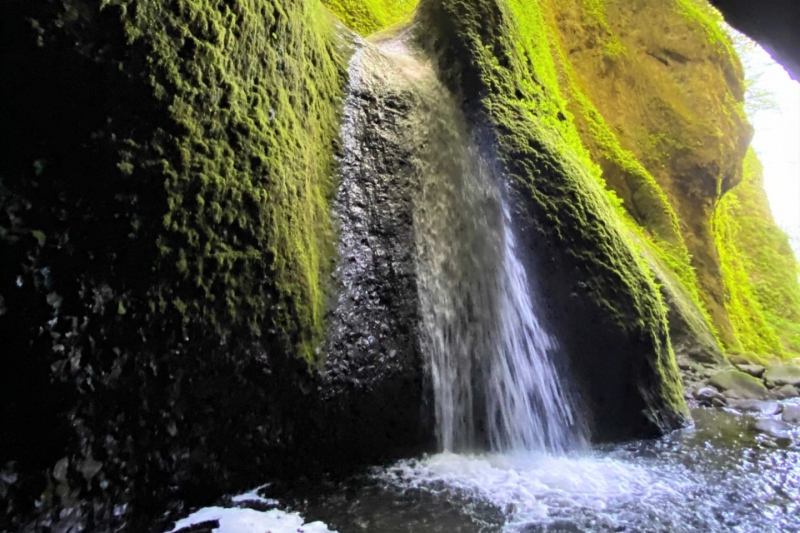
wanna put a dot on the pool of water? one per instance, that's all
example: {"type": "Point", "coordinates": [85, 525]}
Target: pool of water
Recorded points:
{"type": "Point", "coordinates": [720, 476]}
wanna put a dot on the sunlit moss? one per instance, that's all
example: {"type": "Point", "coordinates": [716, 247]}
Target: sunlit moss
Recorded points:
{"type": "Point", "coordinates": [368, 16]}
{"type": "Point", "coordinates": [706, 19]}
{"type": "Point", "coordinates": [648, 212]}
{"type": "Point", "coordinates": [510, 72]}
{"type": "Point", "coordinates": [759, 268]}
{"type": "Point", "coordinates": [253, 90]}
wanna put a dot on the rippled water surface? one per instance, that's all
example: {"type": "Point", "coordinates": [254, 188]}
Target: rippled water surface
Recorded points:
{"type": "Point", "coordinates": [720, 476]}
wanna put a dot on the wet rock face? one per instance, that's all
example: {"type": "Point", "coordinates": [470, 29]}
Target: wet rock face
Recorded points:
{"type": "Point", "coordinates": [373, 372]}
{"type": "Point", "coordinates": [139, 373]}
{"type": "Point", "coordinates": [773, 23]}
{"type": "Point", "coordinates": [783, 374]}
{"type": "Point", "coordinates": [670, 98]}
{"type": "Point", "coordinates": [604, 310]}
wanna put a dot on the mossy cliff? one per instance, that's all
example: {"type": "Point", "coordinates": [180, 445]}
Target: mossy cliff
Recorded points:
{"type": "Point", "coordinates": [369, 16]}
{"type": "Point", "coordinates": [759, 269]}
{"type": "Point", "coordinates": [602, 294]}
{"type": "Point", "coordinates": [661, 111]}
{"type": "Point", "coordinates": [169, 245]}
{"type": "Point", "coordinates": [166, 235]}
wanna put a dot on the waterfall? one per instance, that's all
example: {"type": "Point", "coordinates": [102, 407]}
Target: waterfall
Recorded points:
{"type": "Point", "coordinates": [489, 358]}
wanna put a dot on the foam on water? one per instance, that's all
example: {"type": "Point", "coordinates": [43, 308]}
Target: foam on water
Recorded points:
{"type": "Point", "coordinates": [533, 488]}
{"type": "Point", "coordinates": [235, 520]}
{"type": "Point", "coordinates": [246, 520]}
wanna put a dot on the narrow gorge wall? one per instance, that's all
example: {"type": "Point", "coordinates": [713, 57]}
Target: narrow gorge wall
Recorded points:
{"type": "Point", "coordinates": [166, 240]}
{"type": "Point", "coordinates": [180, 224]}
{"type": "Point", "coordinates": [661, 111]}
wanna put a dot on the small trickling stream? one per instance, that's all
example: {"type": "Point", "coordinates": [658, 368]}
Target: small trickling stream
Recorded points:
{"type": "Point", "coordinates": [514, 455]}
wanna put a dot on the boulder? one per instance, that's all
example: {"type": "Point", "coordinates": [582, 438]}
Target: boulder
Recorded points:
{"type": "Point", "coordinates": [737, 359]}
{"type": "Point", "coordinates": [707, 395]}
{"type": "Point", "coordinates": [754, 370]}
{"type": "Point", "coordinates": [736, 383]}
{"type": "Point", "coordinates": [762, 407]}
{"type": "Point", "coordinates": [774, 428]}
{"type": "Point", "coordinates": [783, 374]}
{"type": "Point", "coordinates": [791, 414]}
{"type": "Point", "coordinates": [786, 391]}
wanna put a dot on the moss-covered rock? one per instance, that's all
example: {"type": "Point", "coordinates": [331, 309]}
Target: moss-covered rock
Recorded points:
{"type": "Point", "coordinates": [605, 303]}
{"type": "Point", "coordinates": [166, 237]}
{"type": "Point", "coordinates": [661, 111]}
{"type": "Point", "coordinates": [369, 16]}
{"type": "Point", "coordinates": [783, 374]}
{"type": "Point", "coordinates": [759, 270]}
{"type": "Point", "coordinates": [739, 384]}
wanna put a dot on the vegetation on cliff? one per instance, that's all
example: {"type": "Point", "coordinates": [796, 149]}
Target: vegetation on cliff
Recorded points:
{"type": "Point", "coordinates": [368, 16]}
{"type": "Point", "coordinates": [661, 118]}
{"type": "Point", "coordinates": [498, 56]}
{"type": "Point", "coordinates": [165, 234]}
{"type": "Point", "coordinates": [759, 269]}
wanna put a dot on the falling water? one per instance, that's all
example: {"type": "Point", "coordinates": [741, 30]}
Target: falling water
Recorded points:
{"type": "Point", "coordinates": [489, 356]}
{"type": "Point", "coordinates": [490, 359]}
{"type": "Point", "coordinates": [492, 364]}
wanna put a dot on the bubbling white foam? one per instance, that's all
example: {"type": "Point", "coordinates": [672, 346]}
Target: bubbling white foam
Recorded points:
{"type": "Point", "coordinates": [537, 487]}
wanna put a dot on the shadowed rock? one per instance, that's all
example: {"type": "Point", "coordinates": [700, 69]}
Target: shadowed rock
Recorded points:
{"type": "Point", "coordinates": [783, 374]}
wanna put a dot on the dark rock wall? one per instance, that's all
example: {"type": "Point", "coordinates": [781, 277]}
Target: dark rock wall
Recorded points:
{"type": "Point", "coordinates": [167, 245]}
{"type": "Point", "coordinates": [773, 23]}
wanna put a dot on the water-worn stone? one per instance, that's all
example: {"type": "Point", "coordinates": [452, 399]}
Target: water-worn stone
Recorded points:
{"type": "Point", "coordinates": [739, 384]}
{"type": "Point", "coordinates": [773, 428]}
{"type": "Point", "coordinates": [785, 392]}
{"type": "Point", "coordinates": [763, 407]}
{"type": "Point", "coordinates": [783, 374]}
{"type": "Point", "coordinates": [754, 370]}
{"type": "Point", "coordinates": [707, 395]}
{"type": "Point", "coordinates": [719, 402]}
{"type": "Point", "coordinates": [737, 360]}
{"type": "Point", "coordinates": [732, 394]}
{"type": "Point", "coordinates": [791, 414]}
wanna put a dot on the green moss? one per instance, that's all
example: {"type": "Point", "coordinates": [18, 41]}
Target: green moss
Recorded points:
{"type": "Point", "coordinates": [252, 91]}
{"type": "Point", "coordinates": [656, 135]}
{"type": "Point", "coordinates": [368, 16]}
{"type": "Point", "coordinates": [509, 71]}
{"type": "Point", "coordinates": [708, 21]}
{"type": "Point", "coordinates": [760, 271]}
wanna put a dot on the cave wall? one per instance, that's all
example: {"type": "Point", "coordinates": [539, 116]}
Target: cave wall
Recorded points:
{"type": "Point", "coordinates": [773, 23]}
{"type": "Point", "coordinates": [662, 112]}
{"type": "Point", "coordinates": [759, 269]}
{"type": "Point", "coordinates": [169, 251]}
{"type": "Point", "coordinates": [166, 236]}
{"type": "Point", "coordinates": [661, 109]}
{"type": "Point", "coordinates": [366, 17]}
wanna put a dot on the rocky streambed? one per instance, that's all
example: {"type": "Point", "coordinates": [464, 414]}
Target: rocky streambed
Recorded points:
{"type": "Point", "coordinates": [729, 472]}
{"type": "Point", "coordinates": [766, 393]}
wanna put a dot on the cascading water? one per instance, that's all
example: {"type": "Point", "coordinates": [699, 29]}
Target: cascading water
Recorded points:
{"type": "Point", "coordinates": [488, 355]}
